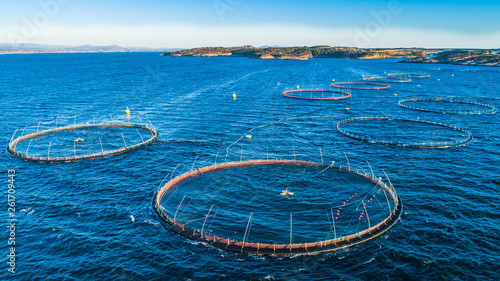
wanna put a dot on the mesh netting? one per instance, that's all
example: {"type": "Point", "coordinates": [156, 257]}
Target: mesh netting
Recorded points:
{"type": "Point", "coordinates": [403, 132]}
{"type": "Point", "coordinates": [278, 207]}
{"type": "Point", "coordinates": [81, 142]}
{"type": "Point", "coordinates": [360, 86]}
{"type": "Point", "coordinates": [317, 94]}
{"type": "Point", "coordinates": [447, 106]}
{"type": "Point", "coordinates": [409, 75]}
{"type": "Point", "coordinates": [397, 79]}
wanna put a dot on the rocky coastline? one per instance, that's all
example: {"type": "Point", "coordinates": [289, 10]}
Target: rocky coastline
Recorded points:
{"type": "Point", "coordinates": [301, 53]}
{"type": "Point", "coordinates": [470, 58]}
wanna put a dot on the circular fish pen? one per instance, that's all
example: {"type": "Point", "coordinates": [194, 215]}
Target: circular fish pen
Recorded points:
{"type": "Point", "coordinates": [360, 86]}
{"type": "Point", "coordinates": [399, 79]}
{"type": "Point", "coordinates": [67, 143]}
{"type": "Point", "coordinates": [409, 75]}
{"type": "Point", "coordinates": [445, 135]}
{"type": "Point", "coordinates": [427, 104]}
{"type": "Point", "coordinates": [269, 207]}
{"type": "Point", "coordinates": [316, 94]}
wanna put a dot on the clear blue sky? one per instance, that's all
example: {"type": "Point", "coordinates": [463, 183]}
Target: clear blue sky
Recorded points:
{"type": "Point", "coordinates": [192, 23]}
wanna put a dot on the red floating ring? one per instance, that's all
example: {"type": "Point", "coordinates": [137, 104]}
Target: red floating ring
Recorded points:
{"type": "Point", "coordinates": [371, 86]}
{"type": "Point", "coordinates": [394, 79]}
{"type": "Point", "coordinates": [292, 94]}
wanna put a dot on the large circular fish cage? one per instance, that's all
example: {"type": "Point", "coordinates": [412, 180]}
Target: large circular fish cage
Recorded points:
{"type": "Point", "coordinates": [423, 144]}
{"type": "Point", "coordinates": [386, 202]}
{"type": "Point", "coordinates": [488, 109]}
{"type": "Point", "coordinates": [399, 79]}
{"type": "Point", "coordinates": [360, 86]}
{"type": "Point", "coordinates": [325, 95]}
{"type": "Point", "coordinates": [409, 75]}
{"type": "Point", "coordinates": [75, 157]}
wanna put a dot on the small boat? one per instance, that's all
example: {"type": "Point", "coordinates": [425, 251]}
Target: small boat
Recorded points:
{"type": "Point", "coordinates": [79, 139]}
{"type": "Point", "coordinates": [286, 192]}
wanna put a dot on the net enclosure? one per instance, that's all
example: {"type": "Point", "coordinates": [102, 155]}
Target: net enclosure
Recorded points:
{"type": "Point", "coordinates": [447, 106]}
{"type": "Point", "coordinates": [360, 86]}
{"type": "Point", "coordinates": [394, 79]}
{"type": "Point", "coordinates": [81, 142]}
{"type": "Point", "coordinates": [325, 95]}
{"type": "Point", "coordinates": [277, 207]}
{"type": "Point", "coordinates": [403, 132]}
{"type": "Point", "coordinates": [409, 75]}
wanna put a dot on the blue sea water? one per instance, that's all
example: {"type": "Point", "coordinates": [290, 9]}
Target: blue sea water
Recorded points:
{"type": "Point", "coordinates": [93, 220]}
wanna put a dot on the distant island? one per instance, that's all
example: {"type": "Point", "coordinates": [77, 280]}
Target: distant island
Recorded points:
{"type": "Point", "coordinates": [458, 57]}
{"type": "Point", "coordinates": [412, 55]}
{"type": "Point", "coordinates": [31, 48]}
{"type": "Point", "coordinates": [302, 53]}
{"type": "Point", "coordinates": [471, 57]}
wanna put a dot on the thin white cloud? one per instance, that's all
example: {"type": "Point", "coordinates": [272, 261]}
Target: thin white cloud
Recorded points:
{"type": "Point", "coordinates": [186, 36]}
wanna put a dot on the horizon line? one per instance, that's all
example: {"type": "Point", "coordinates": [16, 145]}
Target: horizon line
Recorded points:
{"type": "Point", "coordinates": [238, 45]}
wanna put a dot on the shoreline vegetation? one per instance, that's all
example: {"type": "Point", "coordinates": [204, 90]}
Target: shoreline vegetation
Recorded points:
{"type": "Point", "coordinates": [301, 53]}
{"type": "Point", "coordinates": [460, 57]}
{"type": "Point", "coordinates": [410, 55]}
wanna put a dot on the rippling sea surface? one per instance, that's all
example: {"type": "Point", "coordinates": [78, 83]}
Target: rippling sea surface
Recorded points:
{"type": "Point", "coordinates": [93, 220]}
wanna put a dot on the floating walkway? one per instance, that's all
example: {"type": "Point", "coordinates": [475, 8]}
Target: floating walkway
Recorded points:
{"type": "Point", "coordinates": [314, 95]}
{"type": "Point", "coordinates": [360, 86]}
{"type": "Point", "coordinates": [12, 145]}
{"type": "Point", "coordinates": [462, 142]}
{"type": "Point", "coordinates": [396, 79]}
{"type": "Point", "coordinates": [257, 248]}
{"type": "Point", "coordinates": [409, 75]}
{"type": "Point", "coordinates": [489, 109]}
